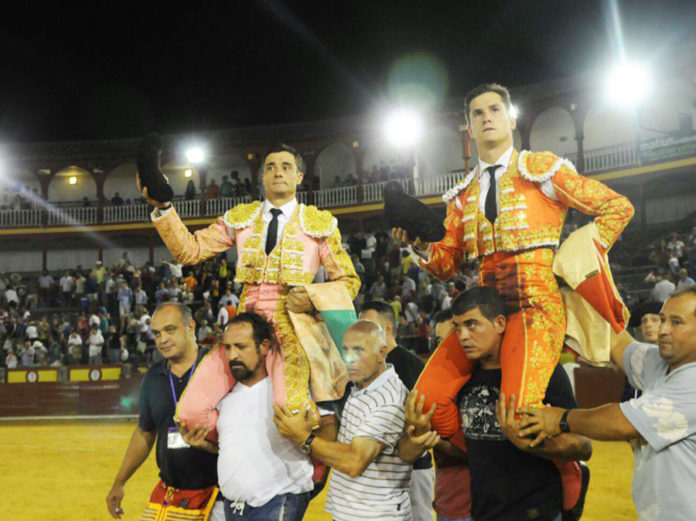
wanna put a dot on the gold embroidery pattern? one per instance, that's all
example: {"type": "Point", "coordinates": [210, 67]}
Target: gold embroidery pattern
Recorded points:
{"type": "Point", "coordinates": [242, 215]}
{"type": "Point", "coordinates": [315, 222]}
{"type": "Point", "coordinates": [448, 253]}
{"type": "Point", "coordinates": [295, 360]}
{"type": "Point", "coordinates": [292, 257]}
{"type": "Point", "coordinates": [614, 211]}
{"type": "Point", "coordinates": [252, 258]}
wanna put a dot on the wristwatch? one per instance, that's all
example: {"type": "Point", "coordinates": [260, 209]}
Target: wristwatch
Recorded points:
{"type": "Point", "coordinates": [563, 424]}
{"type": "Point", "coordinates": [306, 447]}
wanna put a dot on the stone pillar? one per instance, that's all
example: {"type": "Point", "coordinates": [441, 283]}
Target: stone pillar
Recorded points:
{"type": "Point", "coordinates": [359, 154]}
{"type": "Point", "coordinates": [580, 161]}
{"type": "Point", "coordinates": [310, 158]}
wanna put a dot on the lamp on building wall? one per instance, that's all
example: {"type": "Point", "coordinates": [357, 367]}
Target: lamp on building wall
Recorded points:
{"type": "Point", "coordinates": [627, 84]}
{"type": "Point", "coordinates": [195, 155]}
{"type": "Point", "coordinates": [188, 173]}
{"type": "Point", "coordinates": [403, 129]}
{"type": "Point", "coordinates": [72, 180]}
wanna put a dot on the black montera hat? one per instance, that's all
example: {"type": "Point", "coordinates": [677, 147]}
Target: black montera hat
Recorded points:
{"type": "Point", "coordinates": [403, 211]}
{"type": "Point", "coordinates": [149, 153]}
{"type": "Point", "coordinates": [644, 308]}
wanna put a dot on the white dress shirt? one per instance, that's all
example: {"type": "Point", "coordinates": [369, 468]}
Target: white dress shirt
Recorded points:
{"type": "Point", "coordinates": [502, 165]}
{"type": "Point", "coordinates": [287, 209]}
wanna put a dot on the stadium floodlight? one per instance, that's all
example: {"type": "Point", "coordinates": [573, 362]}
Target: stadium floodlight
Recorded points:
{"type": "Point", "coordinates": [195, 155]}
{"type": "Point", "coordinates": [403, 128]}
{"type": "Point", "coordinates": [514, 111]}
{"type": "Point", "coordinates": [628, 84]}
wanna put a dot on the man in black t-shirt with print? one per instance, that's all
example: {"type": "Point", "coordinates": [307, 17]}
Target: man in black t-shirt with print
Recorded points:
{"type": "Point", "coordinates": [408, 367]}
{"type": "Point", "coordinates": [510, 480]}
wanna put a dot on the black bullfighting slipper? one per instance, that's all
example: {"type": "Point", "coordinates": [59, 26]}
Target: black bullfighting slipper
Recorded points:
{"type": "Point", "coordinates": [403, 211]}
{"type": "Point", "coordinates": [149, 169]}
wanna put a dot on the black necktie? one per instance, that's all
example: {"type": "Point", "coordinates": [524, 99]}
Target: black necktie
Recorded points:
{"type": "Point", "coordinates": [272, 234]}
{"type": "Point", "coordinates": [491, 206]}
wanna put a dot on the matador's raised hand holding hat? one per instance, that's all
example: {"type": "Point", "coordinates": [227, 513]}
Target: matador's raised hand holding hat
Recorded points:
{"type": "Point", "coordinates": [149, 169]}
{"type": "Point", "coordinates": [406, 212]}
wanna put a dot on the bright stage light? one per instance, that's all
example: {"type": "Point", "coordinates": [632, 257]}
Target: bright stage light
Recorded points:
{"type": "Point", "coordinates": [514, 111]}
{"type": "Point", "coordinates": [628, 84]}
{"type": "Point", "coordinates": [188, 172]}
{"type": "Point", "coordinates": [403, 128]}
{"type": "Point", "coordinates": [195, 155]}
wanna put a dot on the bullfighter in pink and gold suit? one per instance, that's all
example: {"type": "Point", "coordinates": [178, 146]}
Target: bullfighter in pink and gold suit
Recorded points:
{"type": "Point", "coordinates": [299, 240]}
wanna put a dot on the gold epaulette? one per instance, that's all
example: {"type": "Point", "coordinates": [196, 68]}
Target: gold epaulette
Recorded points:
{"type": "Point", "coordinates": [315, 222]}
{"type": "Point", "coordinates": [242, 215]}
{"type": "Point", "coordinates": [540, 166]}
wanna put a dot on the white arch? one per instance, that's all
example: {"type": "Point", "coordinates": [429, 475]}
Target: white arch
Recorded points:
{"type": "Point", "coordinates": [61, 190]}
{"type": "Point", "coordinates": [553, 130]}
{"type": "Point", "coordinates": [122, 180]}
{"type": "Point", "coordinates": [334, 160]}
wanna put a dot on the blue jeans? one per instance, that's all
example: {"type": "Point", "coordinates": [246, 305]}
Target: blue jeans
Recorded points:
{"type": "Point", "coordinates": [285, 507]}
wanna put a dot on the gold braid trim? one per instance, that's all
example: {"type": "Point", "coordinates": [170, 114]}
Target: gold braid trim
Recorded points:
{"type": "Point", "coordinates": [295, 359]}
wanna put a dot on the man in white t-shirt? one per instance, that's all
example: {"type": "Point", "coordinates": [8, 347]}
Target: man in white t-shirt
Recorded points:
{"type": "Point", "coordinates": [96, 344]}
{"type": "Point", "coordinates": [260, 473]}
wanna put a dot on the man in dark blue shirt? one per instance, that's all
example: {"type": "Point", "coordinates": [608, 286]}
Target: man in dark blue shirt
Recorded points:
{"type": "Point", "coordinates": [182, 468]}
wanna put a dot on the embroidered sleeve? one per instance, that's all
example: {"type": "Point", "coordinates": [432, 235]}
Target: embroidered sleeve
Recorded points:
{"type": "Point", "coordinates": [613, 211]}
{"type": "Point", "coordinates": [338, 264]}
{"type": "Point", "coordinates": [192, 248]}
{"type": "Point", "coordinates": [447, 255]}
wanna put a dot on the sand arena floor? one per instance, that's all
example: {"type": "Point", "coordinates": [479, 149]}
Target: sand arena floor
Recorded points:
{"type": "Point", "coordinates": [63, 471]}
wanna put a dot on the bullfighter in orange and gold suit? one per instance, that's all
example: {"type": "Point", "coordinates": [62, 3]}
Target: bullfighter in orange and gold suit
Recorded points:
{"type": "Point", "coordinates": [516, 252]}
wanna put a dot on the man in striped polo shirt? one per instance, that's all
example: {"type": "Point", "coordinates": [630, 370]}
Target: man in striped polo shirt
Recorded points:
{"type": "Point", "coordinates": [369, 480]}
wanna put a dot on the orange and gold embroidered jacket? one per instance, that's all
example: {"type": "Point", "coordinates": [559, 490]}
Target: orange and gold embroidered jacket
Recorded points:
{"type": "Point", "coordinates": [310, 239]}
{"type": "Point", "coordinates": [527, 217]}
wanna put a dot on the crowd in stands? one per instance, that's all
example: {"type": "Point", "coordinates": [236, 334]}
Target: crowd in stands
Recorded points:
{"type": "Point", "coordinates": [674, 258]}
{"type": "Point", "coordinates": [102, 314]}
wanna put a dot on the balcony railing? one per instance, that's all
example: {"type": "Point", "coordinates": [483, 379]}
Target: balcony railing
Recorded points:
{"type": "Point", "coordinates": [605, 158]}
{"type": "Point", "coordinates": [19, 218]}
{"type": "Point", "coordinates": [71, 216]}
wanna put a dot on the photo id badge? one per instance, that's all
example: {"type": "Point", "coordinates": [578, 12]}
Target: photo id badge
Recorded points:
{"type": "Point", "coordinates": [174, 439]}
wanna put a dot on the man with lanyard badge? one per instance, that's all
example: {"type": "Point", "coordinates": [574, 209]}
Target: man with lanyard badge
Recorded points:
{"type": "Point", "coordinates": [188, 476]}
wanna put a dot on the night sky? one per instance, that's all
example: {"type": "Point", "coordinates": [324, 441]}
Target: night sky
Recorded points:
{"type": "Point", "coordinates": [121, 69]}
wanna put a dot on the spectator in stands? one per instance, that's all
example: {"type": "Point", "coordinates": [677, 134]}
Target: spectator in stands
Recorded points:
{"type": "Point", "coordinates": [95, 341]}
{"type": "Point", "coordinates": [337, 182]}
{"type": "Point", "coordinates": [11, 297]}
{"type": "Point", "coordinates": [213, 190]}
{"type": "Point", "coordinates": [663, 418]}
{"type": "Point", "coordinates": [46, 283]}
{"type": "Point", "coordinates": [116, 200]}
{"type": "Point", "coordinates": [125, 298]}
{"type": "Point", "coordinates": [190, 193]}
{"type": "Point", "coordinates": [31, 332]}
{"type": "Point", "coordinates": [204, 331]}
{"type": "Point", "coordinates": [226, 188]}
{"type": "Point", "coordinates": [408, 367]}
{"type": "Point", "coordinates": [27, 354]}
{"type": "Point", "coordinates": [684, 280]}
{"type": "Point", "coordinates": [378, 290]}
{"type": "Point", "coordinates": [663, 287]}
{"type": "Point", "coordinates": [140, 297]}
{"type": "Point", "coordinates": [676, 246]}
{"type": "Point", "coordinates": [246, 190]}
{"type": "Point", "coordinates": [226, 313]}
{"type": "Point", "coordinates": [11, 360]}
{"type": "Point", "coordinates": [229, 298]}
{"type": "Point", "coordinates": [86, 202]}
{"type": "Point", "coordinates": [74, 345]}
{"type": "Point", "coordinates": [371, 425]}
{"type": "Point", "coordinates": [162, 294]}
